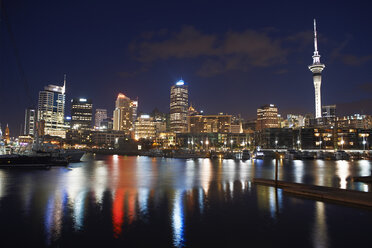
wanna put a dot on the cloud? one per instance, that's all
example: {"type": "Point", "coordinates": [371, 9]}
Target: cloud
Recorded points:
{"type": "Point", "coordinates": [220, 53]}
{"type": "Point", "coordinates": [348, 59]}
{"type": "Point", "coordinates": [188, 43]}
{"type": "Point", "coordinates": [365, 87]}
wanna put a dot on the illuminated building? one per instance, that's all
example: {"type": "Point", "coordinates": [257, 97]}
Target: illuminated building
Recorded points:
{"type": "Point", "coordinates": [107, 124]}
{"type": "Point", "coordinates": [179, 101]}
{"type": "Point", "coordinates": [329, 111]}
{"type": "Point", "coordinates": [134, 106]}
{"type": "Point", "coordinates": [123, 114]}
{"type": "Point", "coordinates": [293, 121]}
{"type": "Point", "coordinates": [145, 127]}
{"type": "Point", "coordinates": [107, 138]}
{"type": "Point", "coordinates": [209, 124]}
{"type": "Point", "coordinates": [316, 68]}
{"type": "Point", "coordinates": [267, 117]}
{"type": "Point", "coordinates": [355, 121]}
{"type": "Point", "coordinates": [192, 111]}
{"type": "Point", "coordinates": [51, 109]}
{"type": "Point", "coordinates": [30, 121]}
{"type": "Point", "coordinates": [99, 116]}
{"type": "Point", "coordinates": [7, 135]}
{"type": "Point", "coordinates": [81, 114]}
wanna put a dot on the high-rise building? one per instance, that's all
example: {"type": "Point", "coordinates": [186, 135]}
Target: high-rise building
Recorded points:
{"type": "Point", "coordinates": [179, 101]}
{"type": "Point", "coordinates": [51, 109]}
{"type": "Point", "coordinates": [134, 106]}
{"type": "Point", "coordinates": [329, 111]}
{"type": "Point", "coordinates": [30, 121]}
{"type": "Point", "coordinates": [123, 114]}
{"type": "Point", "coordinates": [100, 115]}
{"type": "Point", "coordinates": [145, 127]}
{"type": "Point", "coordinates": [316, 68]}
{"type": "Point", "coordinates": [81, 114]}
{"type": "Point", "coordinates": [7, 135]}
{"type": "Point", "coordinates": [209, 124]}
{"type": "Point", "coordinates": [267, 117]}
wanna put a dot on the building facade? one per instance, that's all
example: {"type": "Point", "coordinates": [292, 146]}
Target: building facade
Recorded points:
{"type": "Point", "coordinates": [209, 124]}
{"type": "Point", "coordinates": [145, 128]}
{"type": "Point", "coordinates": [179, 101]}
{"type": "Point", "coordinates": [99, 116]}
{"type": "Point", "coordinates": [51, 110]}
{"type": "Point", "coordinates": [30, 121]}
{"type": "Point", "coordinates": [123, 114]}
{"type": "Point", "coordinates": [267, 117]}
{"type": "Point", "coordinates": [81, 114]}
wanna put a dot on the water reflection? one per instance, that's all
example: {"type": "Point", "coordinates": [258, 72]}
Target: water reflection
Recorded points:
{"type": "Point", "coordinates": [320, 230]}
{"type": "Point", "coordinates": [178, 220]}
{"type": "Point", "coordinates": [165, 199]}
{"type": "Point", "coordinates": [342, 172]}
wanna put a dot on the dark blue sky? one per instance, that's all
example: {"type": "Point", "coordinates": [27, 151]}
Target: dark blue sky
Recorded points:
{"type": "Point", "coordinates": [235, 55]}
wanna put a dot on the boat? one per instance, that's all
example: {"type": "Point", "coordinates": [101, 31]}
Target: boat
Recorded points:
{"type": "Point", "coordinates": [31, 161]}
{"type": "Point", "coordinates": [246, 155]}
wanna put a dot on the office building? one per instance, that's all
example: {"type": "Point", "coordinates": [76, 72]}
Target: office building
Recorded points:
{"type": "Point", "coordinates": [329, 111]}
{"type": "Point", "coordinates": [81, 114]}
{"type": "Point", "coordinates": [99, 116]}
{"type": "Point", "coordinates": [267, 117]}
{"type": "Point", "coordinates": [123, 114]}
{"type": "Point", "coordinates": [51, 109]}
{"type": "Point", "coordinates": [145, 127]}
{"type": "Point", "coordinates": [179, 101]}
{"type": "Point", "coordinates": [209, 124]}
{"type": "Point", "coordinates": [30, 121]}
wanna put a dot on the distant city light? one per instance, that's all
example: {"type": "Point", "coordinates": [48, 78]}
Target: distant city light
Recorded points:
{"type": "Point", "coordinates": [145, 116]}
{"type": "Point", "coordinates": [82, 100]}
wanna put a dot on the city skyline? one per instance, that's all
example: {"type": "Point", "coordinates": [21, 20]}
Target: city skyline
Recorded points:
{"type": "Point", "coordinates": [285, 82]}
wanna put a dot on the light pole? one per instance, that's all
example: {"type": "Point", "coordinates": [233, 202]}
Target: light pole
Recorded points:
{"type": "Point", "coordinates": [342, 144]}
{"type": "Point", "coordinates": [231, 142]}
{"type": "Point", "coordinates": [206, 144]}
{"type": "Point", "coordinates": [298, 144]}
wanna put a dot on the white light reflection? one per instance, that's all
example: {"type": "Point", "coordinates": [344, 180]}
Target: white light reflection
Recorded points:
{"type": "Point", "coordinates": [178, 220]}
{"type": "Point", "coordinates": [342, 172]}
{"type": "Point", "coordinates": [320, 235]}
{"type": "Point", "coordinates": [298, 170]}
{"type": "Point", "coordinates": [206, 174]}
{"type": "Point", "coordinates": [53, 216]}
{"type": "Point", "coordinates": [201, 200]}
{"type": "Point", "coordinates": [79, 210]}
{"type": "Point", "coordinates": [320, 173]}
{"type": "Point", "coordinates": [143, 196]}
{"type": "Point", "coordinates": [100, 181]}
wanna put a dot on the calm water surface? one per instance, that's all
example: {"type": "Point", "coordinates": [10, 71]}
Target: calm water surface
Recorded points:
{"type": "Point", "coordinates": [158, 202]}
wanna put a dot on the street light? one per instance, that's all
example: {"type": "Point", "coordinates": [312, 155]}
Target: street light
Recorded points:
{"type": "Point", "coordinates": [342, 144]}
{"type": "Point", "coordinates": [298, 144]}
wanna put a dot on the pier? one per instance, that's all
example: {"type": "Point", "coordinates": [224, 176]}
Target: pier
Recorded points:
{"type": "Point", "coordinates": [337, 195]}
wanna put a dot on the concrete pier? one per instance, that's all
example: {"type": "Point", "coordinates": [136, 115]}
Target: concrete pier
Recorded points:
{"type": "Point", "coordinates": [343, 196]}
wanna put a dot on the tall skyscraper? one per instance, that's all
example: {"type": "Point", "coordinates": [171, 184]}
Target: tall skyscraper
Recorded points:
{"type": "Point", "coordinates": [179, 101]}
{"type": "Point", "coordinates": [7, 135]}
{"type": "Point", "coordinates": [51, 109]}
{"type": "Point", "coordinates": [81, 114]}
{"type": "Point", "coordinates": [123, 114]}
{"type": "Point", "coordinates": [100, 115]}
{"type": "Point", "coordinates": [316, 68]}
{"type": "Point", "coordinates": [30, 121]}
{"type": "Point", "coordinates": [267, 117]}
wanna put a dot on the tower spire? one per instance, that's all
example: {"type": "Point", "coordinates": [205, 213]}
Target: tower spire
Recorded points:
{"type": "Point", "coordinates": [316, 56]}
{"type": "Point", "coordinates": [316, 68]}
{"type": "Point", "coordinates": [315, 40]}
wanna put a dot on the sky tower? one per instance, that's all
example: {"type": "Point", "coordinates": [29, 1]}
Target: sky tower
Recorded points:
{"type": "Point", "coordinates": [316, 68]}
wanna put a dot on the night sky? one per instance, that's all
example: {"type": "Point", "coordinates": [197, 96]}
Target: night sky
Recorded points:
{"type": "Point", "coordinates": [234, 55]}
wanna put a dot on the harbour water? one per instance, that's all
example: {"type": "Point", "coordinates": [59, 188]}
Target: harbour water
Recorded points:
{"type": "Point", "coordinates": [162, 202]}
